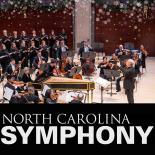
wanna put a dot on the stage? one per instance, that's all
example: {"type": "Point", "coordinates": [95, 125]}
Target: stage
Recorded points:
{"type": "Point", "coordinates": [144, 94]}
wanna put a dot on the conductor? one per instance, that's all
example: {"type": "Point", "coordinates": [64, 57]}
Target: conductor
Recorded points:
{"type": "Point", "coordinates": [129, 80]}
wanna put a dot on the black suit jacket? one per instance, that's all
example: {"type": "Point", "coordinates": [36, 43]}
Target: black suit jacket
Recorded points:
{"type": "Point", "coordinates": [26, 78]}
{"type": "Point", "coordinates": [129, 75]}
{"type": "Point", "coordinates": [81, 51]}
{"type": "Point", "coordinates": [9, 69]}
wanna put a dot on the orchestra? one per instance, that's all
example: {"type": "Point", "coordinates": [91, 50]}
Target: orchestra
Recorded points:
{"type": "Point", "coordinates": [33, 59]}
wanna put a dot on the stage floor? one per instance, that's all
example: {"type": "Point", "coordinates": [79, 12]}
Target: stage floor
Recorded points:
{"type": "Point", "coordinates": [145, 91]}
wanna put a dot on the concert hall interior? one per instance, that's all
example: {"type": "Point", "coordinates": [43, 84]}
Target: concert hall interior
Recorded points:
{"type": "Point", "coordinates": [77, 51]}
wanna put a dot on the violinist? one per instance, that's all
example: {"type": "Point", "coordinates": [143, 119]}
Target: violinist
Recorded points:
{"type": "Point", "coordinates": [26, 76]}
{"type": "Point", "coordinates": [37, 60]}
{"type": "Point", "coordinates": [68, 67]}
{"type": "Point", "coordinates": [41, 72]}
{"type": "Point", "coordinates": [102, 66]}
{"type": "Point", "coordinates": [11, 69]}
{"type": "Point", "coordinates": [88, 68]}
{"type": "Point", "coordinates": [52, 69]}
{"type": "Point", "coordinates": [144, 55]}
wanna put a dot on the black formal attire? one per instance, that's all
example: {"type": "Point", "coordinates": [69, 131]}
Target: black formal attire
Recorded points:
{"type": "Point", "coordinates": [64, 37]}
{"type": "Point", "coordinates": [143, 60]}
{"type": "Point", "coordinates": [49, 101]}
{"type": "Point", "coordinates": [30, 99]}
{"type": "Point", "coordinates": [32, 55]}
{"type": "Point", "coordinates": [6, 40]}
{"type": "Point", "coordinates": [26, 78]}
{"type": "Point", "coordinates": [102, 67]}
{"type": "Point", "coordinates": [24, 56]}
{"type": "Point", "coordinates": [10, 69]}
{"type": "Point", "coordinates": [129, 83]}
{"type": "Point", "coordinates": [36, 61]}
{"type": "Point", "coordinates": [137, 67]}
{"type": "Point", "coordinates": [67, 69]}
{"type": "Point", "coordinates": [52, 40]}
{"type": "Point", "coordinates": [16, 40]}
{"type": "Point", "coordinates": [4, 59]}
{"type": "Point", "coordinates": [56, 52]}
{"type": "Point", "coordinates": [14, 54]}
{"type": "Point", "coordinates": [36, 39]}
{"type": "Point", "coordinates": [84, 50]}
{"type": "Point", "coordinates": [44, 52]}
{"type": "Point", "coordinates": [45, 38]}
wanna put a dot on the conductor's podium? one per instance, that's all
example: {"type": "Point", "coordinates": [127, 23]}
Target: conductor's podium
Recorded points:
{"type": "Point", "coordinates": [62, 84]}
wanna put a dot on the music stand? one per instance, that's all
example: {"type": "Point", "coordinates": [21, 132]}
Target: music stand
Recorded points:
{"type": "Point", "coordinates": [104, 84]}
{"type": "Point", "coordinates": [109, 75]}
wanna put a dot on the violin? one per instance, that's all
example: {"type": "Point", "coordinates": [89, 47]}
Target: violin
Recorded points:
{"type": "Point", "coordinates": [18, 83]}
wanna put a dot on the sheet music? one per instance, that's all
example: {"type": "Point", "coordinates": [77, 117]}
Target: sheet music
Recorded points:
{"type": "Point", "coordinates": [45, 89]}
{"type": "Point", "coordinates": [102, 82]}
{"type": "Point", "coordinates": [8, 93]}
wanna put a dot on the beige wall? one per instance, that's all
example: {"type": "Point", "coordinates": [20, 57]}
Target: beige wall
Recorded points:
{"type": "Point", "coordinates": [82, 21]}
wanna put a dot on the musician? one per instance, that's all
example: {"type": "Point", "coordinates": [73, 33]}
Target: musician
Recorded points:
{"type": "Point", "coordinates": [32, 52]}
{"type": "Point", "coordinates": [14, 52]}
{"type": "Point", "coordinates": [11, 68]}
{"type": "Point", "coordinates": [129, 79]}
{"type": "Point", "coordinates": [56, 52]}
{"type": "Point", "coordinates": [4, 57]}
{"type": "Point", "coordinates": [16, 39]}
{"type": "Point", "coordinates": [68, 67]}
{"type": "Point", "coordinates": [88, 68]}
{"type": "Point", "coordinates": [137, 61]}
{"type": "Point", "coordinates": [84, 49]}
{"type": "Point", "coordinates": [15, 98]}
{"type": "Point", "coordinates": [43, 36]}
{"type": "Point", "coordinates": [64, 36]}
{"type": "Point", "coordinates": [6, 40]}
{"type": "Point", "coordinates": [24, 54]}
{"type": "Point", "coordinates": [30, 97]}
{"type": "Point", "coordinates": [119, 51]}
{"type": "Point", "coordinates": [44, 50]}
{"type": "Point", "coordinates": [52, 69]}
{"type": "Point", "coordinates": [144, 54]}
{"type": "Point", "coordinates": [35, 38]}
{"type": "Point", "coordinates": [63, 47]}
{"type": "Point", "coordinates": [102, 66]}
{"type": "Point", "coordinates": [50, 97]}
{"type": "Point", "coordinates": [114, 59]}
{"type": "Point", "coordinates": [37, 60]}
{"type": "Point", "coordinates": [26, 76]}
